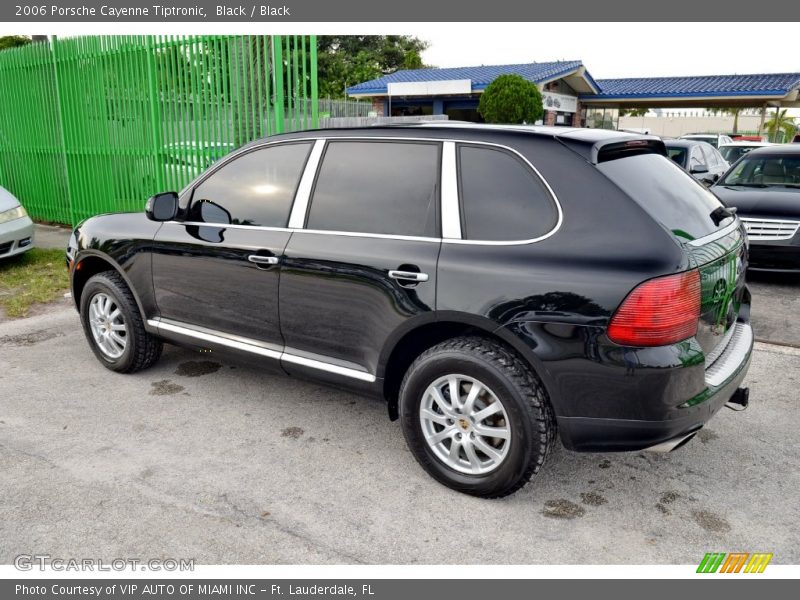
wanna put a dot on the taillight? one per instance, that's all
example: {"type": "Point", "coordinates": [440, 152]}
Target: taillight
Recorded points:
{"type": "Point", "coordinates": [658, 312]}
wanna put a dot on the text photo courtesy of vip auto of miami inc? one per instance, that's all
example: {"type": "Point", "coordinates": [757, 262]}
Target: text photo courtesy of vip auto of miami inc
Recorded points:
{"type": "Point", "coordinates": [439, 297]}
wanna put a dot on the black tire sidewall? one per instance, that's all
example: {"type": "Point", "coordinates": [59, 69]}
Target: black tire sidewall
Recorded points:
{"type": "Point", "coordinates": [523, 432]}
{"type": "Point", "coordinates": [102, 284]}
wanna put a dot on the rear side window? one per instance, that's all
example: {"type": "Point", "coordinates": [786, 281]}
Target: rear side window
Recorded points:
{"type": "Point", "coordinates": [257, 188]}
{"type": "Point", "coordinates": [667, 192]}
{"type": "Point", "coordinates": [384, 187]}
{"type": "Point", "coordinates": [502, 199]}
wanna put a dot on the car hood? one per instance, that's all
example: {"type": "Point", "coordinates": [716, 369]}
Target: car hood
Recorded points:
{"type": "Point", "coordinates": [7, 200]}
{"type": "Point", "coordinates": [771, 202]}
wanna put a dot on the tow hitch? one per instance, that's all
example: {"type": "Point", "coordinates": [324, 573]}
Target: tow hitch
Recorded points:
{"type": "Point", "coordinates": [739, 400]}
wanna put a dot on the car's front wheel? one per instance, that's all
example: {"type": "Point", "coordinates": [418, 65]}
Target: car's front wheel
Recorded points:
{"type": "Point", "coordinates": [476, 417]}
{"type": "Point", "coordinates": [114, 327]}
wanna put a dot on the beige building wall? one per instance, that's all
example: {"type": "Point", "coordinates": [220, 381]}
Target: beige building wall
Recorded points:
{"type": "Point", "coordinates": [677, 125]}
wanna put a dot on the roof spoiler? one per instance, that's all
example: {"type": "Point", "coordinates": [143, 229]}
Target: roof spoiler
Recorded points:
{"type": "Point", "coordinates": [612, 149]}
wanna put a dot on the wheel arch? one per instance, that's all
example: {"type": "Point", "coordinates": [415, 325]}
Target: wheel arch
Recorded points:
{"type": "Point", "coordinates": [408, 344]}
{"type": "Point", "coordinates": [89, 264]}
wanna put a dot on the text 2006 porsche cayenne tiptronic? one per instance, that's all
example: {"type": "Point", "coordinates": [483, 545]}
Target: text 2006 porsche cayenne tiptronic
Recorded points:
{"type": "Point", "coordinates": [499, 287]}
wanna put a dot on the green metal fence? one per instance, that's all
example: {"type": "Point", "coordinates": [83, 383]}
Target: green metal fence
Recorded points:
{"type": "Point", "coordinates": [99, 123]}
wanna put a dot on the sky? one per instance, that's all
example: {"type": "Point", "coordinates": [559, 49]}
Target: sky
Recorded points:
{"type": "Point", "coordinates": [611, 50]}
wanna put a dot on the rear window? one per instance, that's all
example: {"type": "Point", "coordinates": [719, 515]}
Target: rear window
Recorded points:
{"type": "Point", "coordinates": [667, 192]}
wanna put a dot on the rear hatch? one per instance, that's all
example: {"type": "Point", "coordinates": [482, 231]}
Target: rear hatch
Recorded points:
{"type": "Point", "coordinates": [715, 243]}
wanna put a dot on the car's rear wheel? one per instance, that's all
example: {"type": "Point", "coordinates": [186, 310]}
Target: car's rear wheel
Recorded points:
{"type": "Point", "coordinates": [113, 326]}
{"type": "Point", "coordinates": [476, 417]}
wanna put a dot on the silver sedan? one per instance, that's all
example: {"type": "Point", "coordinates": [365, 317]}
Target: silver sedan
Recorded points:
{"type": "Point", "coordinates": [16, 228]}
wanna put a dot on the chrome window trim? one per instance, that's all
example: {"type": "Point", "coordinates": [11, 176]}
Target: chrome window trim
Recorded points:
{"type": "Point", "coordinates": [297, 215]}
{"type": "Point", "coordinates": [255, 347]}
{"type": "Point", "coordinates": [452, 176]}
{"type": "Point", "coordinates": [380, 236]}
{"type": "Point", "coordinates": [716, 235]}
{"type": "Point", "coordinates": [451, 214]}
{"type": "Point", "coordinates": [223, 226]}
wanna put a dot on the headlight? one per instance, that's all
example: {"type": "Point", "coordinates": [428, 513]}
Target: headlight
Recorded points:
{"type": "Point", "coordinates": [13, 213]}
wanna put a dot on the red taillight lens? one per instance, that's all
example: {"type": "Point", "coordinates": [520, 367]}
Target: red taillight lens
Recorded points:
{"type": "Point", "coordinates": [661, 311]}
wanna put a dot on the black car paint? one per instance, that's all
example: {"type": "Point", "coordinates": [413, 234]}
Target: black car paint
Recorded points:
{"type": "Point", "coordinates": [551, 300]}
{"type": "Point", "coordinates": [770, 202]}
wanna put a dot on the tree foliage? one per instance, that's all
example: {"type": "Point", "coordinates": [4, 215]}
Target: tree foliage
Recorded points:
{"type": "Point", "coordinates": [12, 41]}
{"type": "Point", "coordinates": [633, 112]}
{"type": "Point", "coordinates": [345, 60]}
{"type": "Point", "coordinates": [781, 122]}
{"type": "Point", "coordinates": [511, 99]}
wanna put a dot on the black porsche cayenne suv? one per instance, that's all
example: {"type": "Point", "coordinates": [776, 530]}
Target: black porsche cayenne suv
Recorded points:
{"type": "Point", "coordinates": [499, 287]}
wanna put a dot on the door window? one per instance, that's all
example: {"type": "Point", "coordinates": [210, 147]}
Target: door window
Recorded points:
{"type": "Point", "coordinates": [383, 187]}
{"type": "Point", "coordinates": [257, 188]}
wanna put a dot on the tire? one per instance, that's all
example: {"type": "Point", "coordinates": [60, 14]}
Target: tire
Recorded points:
{"type": "Point", "coordinates": [107, 304]}
{"type": "Point", "coordinates": [524, 416]}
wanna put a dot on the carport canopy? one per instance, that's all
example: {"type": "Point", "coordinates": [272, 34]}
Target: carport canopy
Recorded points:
{"type": "Point", "coordinates": [706, 91]}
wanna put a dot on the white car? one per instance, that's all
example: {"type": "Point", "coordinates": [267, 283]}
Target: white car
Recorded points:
{"type": "Point", "coordinates": [715, 139]}
{"type": "Point", "coordinates": [735, 150]}
{"type": "Point", "coordinates": [16, 228]}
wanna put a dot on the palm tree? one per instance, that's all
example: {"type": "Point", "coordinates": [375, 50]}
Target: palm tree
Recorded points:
{"type": "Point", "coordinates": [781, 122]}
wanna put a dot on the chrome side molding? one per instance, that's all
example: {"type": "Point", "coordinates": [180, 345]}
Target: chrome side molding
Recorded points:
{"type": "Point", "coordinates": [256, 347]}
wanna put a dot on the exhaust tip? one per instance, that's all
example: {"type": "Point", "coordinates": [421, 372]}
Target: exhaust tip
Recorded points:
{"type": "Point", "coordinates": [739, 400]}
{"type": "Point", "coordinates": [672, 444]}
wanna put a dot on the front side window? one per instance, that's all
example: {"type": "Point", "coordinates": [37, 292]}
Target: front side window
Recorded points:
{"type": "Point", "coordinates": [257, 188]}
{"type": "Point", "coordinates": [502, 199]}
{"type": "Point", "coordinates": [379, 187]}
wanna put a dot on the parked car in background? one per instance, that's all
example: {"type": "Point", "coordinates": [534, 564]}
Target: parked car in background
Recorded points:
{"type": "Point", "coordinates": [735, 150]}
{"type": "Point", "coordinates": [700, 159]}
{"type": "Point", "coordinates": [715, 139]}
{"type": "Point", "coordinates": [16, 227]}
{"type": "Point", "coordinates": [764, 186]}
{"type": "Point", "coordinates": [489, 299]}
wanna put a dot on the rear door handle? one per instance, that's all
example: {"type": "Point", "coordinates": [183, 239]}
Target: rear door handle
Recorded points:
{"type": "Point", "coordinates": [263, 260]}
{"type": "Point", "coordinates": [409, 276]}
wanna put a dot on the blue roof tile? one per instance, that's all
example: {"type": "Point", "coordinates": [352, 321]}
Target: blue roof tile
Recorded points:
{"type": "Point", "coordinates": [480, 76]}
{"type": "Point", "coordinates": [706, 85]}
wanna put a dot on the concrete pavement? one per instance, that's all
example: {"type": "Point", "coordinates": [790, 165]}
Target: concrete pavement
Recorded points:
{"type": "Point", "coordinates": [202, 458]}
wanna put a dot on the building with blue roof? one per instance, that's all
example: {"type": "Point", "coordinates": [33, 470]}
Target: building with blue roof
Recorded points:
{"type": "Point", "coordinates": [571, 95]}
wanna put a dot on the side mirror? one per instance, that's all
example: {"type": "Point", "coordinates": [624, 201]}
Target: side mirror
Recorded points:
{"type": "Point", "coordinates": [162, 207]}
{"type": "Point", "coordinates": [699, 169]}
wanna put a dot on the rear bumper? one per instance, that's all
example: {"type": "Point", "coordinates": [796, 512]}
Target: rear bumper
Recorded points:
{"type": "Point", "coordinates": [16, 237]}
{"type": "Point", "coordinates": [591, 434]}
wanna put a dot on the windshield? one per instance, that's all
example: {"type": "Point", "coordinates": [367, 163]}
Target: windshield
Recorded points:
{"type": "Point", "coordinates": [734, 153]}
{"type": "Point", "coordinates": [763, 170]}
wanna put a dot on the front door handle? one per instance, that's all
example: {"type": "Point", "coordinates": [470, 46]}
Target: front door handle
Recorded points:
{"type": "Point", "coordinates": [263, 260]}
{"type": "Point", "coordinates": [409, 276]}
